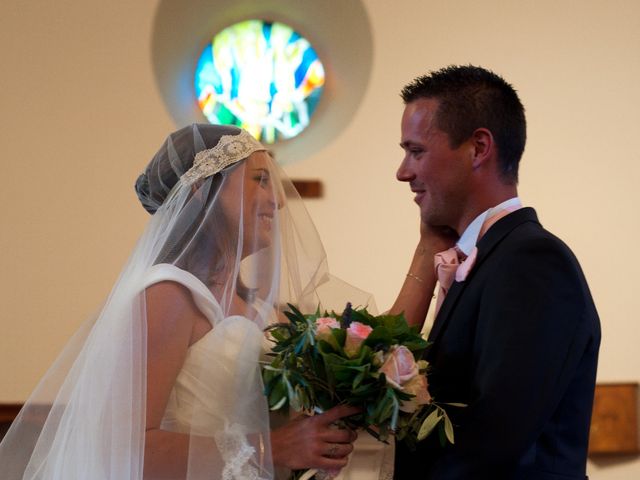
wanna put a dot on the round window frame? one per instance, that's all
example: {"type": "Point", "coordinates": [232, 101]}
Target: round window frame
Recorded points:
{"type": "Point", "coordinates": [344, 42]}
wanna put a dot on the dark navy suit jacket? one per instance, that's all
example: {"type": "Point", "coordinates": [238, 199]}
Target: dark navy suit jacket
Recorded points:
{"type": "Point", "coordinates": [517, 342]}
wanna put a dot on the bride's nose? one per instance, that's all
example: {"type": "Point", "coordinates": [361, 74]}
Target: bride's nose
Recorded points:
{"type": "Point", "coordinates": [278, 198]}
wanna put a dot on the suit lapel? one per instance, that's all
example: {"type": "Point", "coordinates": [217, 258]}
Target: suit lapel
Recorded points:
{"type": "Point", "coordinates": [486, 246]}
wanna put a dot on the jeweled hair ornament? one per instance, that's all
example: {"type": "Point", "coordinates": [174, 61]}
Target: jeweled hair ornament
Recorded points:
{"type": "Point", "coordinates": [229, 150]}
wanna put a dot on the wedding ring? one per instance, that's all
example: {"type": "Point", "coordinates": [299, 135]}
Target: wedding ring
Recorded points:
{"type": "Point", "coordinates": [332, 450]}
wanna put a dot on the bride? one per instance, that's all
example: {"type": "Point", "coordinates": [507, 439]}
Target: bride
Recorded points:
{"type": "Point", "coordinates": [165, 381]}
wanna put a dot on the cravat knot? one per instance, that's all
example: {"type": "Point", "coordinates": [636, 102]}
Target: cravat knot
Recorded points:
{"type": "Point", "coordinates": [446, 265]}
{"type": "Point", "coordinates": [451, 264]}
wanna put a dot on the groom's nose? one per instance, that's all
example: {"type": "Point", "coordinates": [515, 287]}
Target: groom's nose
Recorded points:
{"type": "Point", "coordinates": [404, 173]}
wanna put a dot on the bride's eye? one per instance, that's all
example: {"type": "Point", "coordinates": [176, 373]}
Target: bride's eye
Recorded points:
{"type": "Point", "coordinates": [262, 178]}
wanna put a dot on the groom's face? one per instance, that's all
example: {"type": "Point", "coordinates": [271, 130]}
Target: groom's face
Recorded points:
{"type": "Point", "coordinates": [438, 174]}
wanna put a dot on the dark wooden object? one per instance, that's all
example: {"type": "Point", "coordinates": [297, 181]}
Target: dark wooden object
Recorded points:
{"type": "Point", "coordinates": [8, 411]}
{"type": "Point", "coordinates": [308, 188]}
{"type": "Point", "coordinates": [614, 425]}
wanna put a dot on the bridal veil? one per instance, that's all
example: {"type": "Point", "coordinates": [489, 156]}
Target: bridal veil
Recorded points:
{"type": "Point", "coordinates": [229, 227]}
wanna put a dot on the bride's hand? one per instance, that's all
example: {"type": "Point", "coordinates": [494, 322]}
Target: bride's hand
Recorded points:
{"type": "Point", "coordinates": [313, 442]}
{"type": "Point", "coordinates": [435, 239]}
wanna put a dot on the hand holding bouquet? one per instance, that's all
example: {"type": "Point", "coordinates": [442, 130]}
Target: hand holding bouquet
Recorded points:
{"type": "Point", "coordinates": [323, 360]}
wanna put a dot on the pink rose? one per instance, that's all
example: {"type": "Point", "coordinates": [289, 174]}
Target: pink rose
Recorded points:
{"type": "Point", "coordinates": [399, 367]}
{"type": "Point", "coordinates": [417, 386]}
{"type": "Point", "coordinates": [356, 334]}
{"type": "Point", "coordinates": [324, 326]}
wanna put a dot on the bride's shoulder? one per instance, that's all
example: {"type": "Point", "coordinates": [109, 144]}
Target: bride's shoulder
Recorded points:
{"type": "Point", "coordinates": [166, 271]}
{"type": "Point", "coordinates": [188, 291]}
{"type": "Point", "coordinates": [170, 299]}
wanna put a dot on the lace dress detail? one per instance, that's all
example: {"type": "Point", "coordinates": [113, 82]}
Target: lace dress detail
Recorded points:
{"type": "Point", "coordinates": [237, 454]}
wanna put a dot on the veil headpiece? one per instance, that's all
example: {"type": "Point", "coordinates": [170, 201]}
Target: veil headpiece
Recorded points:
{"type": "Point", "coordinates": [229, 150]}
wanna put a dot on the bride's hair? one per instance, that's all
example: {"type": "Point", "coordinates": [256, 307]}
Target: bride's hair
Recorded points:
{"type": "Point", "coordinates": [173, 159]}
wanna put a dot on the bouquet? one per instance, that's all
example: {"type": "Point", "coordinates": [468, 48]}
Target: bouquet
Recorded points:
{"type": "Point", "coordinates": [355, 358]}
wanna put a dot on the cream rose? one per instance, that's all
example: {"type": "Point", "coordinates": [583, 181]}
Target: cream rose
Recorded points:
{"type": "Point", "coordinates": [399, 366]}
{"type": "Point", "coordinates": [416, 386]}
{"type": "Point", "coordinates": [403, 373]}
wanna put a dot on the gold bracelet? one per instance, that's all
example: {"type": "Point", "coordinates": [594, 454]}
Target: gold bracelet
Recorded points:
{"type": "Point", "coordinates": [411, 275]}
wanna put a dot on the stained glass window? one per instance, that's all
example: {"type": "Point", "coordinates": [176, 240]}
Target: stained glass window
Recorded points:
{"type": "Point", "coordinates": [261, 76]}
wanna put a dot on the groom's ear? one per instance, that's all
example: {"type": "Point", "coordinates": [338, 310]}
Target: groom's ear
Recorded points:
{"type": "Point", "coordinates": [484, 148]}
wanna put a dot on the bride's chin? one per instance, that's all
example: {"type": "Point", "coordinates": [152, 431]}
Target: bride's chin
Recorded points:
{"type": "Point", "coordinates": [262, 245]}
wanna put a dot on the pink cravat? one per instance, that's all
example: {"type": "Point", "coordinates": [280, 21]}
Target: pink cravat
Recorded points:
{"type": "Point", "coordinates": [446, 264]}
{"type": "Point", "coordinates": [453, 264]}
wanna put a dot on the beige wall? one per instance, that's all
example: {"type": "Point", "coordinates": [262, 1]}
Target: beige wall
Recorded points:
{"type": "Point", "coordinates": [81, 115]}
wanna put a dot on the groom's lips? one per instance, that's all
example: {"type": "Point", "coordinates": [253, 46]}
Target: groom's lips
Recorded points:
{"type": "Point", "coordinates": [419, 196]}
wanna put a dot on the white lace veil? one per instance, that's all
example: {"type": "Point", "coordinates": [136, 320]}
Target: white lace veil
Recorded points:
{"type": "Point", "coordinates": [228, 233]}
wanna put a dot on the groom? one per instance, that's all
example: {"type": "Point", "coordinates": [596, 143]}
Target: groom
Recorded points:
{"type": "Point", "coordinates": [516, 334]}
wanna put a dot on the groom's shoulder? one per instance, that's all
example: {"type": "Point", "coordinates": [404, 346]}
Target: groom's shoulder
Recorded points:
{"type": "Point", "coordinates": [530, 245]}
{"type": "Point", "coordinates": [526, 230]}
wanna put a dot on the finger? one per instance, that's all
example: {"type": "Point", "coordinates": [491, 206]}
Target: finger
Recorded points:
{"type": "Point", "coordinates": [337, 413]}
{"type": "Point", "coordinates": [343, 435]}
{"type": "Point", "coordinates": [337, 450]}
{"type": "Point", "coordinates": [331, 464]}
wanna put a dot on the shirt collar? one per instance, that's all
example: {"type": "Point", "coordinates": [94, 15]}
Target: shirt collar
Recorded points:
{"type": "Point", "coordinates": [469, 237]}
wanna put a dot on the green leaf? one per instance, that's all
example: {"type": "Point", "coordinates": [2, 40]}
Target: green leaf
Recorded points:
{"type": "Point", "coordinates": [278, 395]}
{"type": "Point", "coordinates": [379, 336]}
{"type": "Point", "coordinates": [301, 344]}
{"type": "Point", "coordinates": [448, 428]}
{"type": "Point", "coordinates": [280, 404]}
{"type": "Point", "coordinates": [429, 424]}
{"type": "Point", "coordinates": [271, 368]}
{"type": "Point", "coordinates": [340, 336]}
{"type": "Point", "coordinates": [297, 314]}
{"type": "Point", "coordinates": [293, 318]}
{"type": "Point", "coordinates": [358, 379]}
{"type": "Point", "coordinates": [279, 336]}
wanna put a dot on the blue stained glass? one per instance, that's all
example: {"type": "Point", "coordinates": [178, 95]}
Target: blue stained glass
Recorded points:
{"type": "Point", "coordinates": [294, 37]}
{"type": "Point", "coordinates": [235, 81]}
{"type": "Point", "coordinates": [307, 59]}
{"type": "Point", "coordinates": [262, 76]}
{"type": "Point", "coordinates": [266, 31]}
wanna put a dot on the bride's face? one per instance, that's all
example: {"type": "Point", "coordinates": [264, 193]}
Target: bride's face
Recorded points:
{"type": "Point", "coordinates": [262, 197]}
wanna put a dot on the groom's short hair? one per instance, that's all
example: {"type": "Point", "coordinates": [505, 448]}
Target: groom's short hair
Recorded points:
{"type": "Point", "coordinates": [472, 97]}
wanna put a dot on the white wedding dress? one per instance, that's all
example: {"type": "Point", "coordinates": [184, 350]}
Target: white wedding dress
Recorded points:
{"type": "Point", "coordinates": [212, 381]}
{"type": "Point", "coordinates": [370, 460]}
